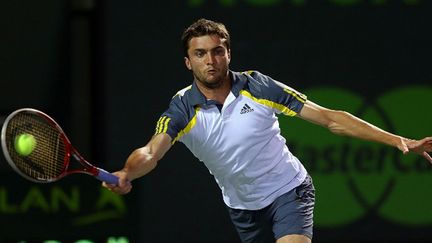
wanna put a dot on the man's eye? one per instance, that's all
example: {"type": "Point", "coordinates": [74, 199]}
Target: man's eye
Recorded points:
{"type": "Point", "coordinates": [220, 52]}
{"type": "Point", "coordinates": [200, 54]}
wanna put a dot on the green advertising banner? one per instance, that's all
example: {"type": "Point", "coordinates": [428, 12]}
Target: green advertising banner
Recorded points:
{"type": "Point", "coordinates": [357, 179]}
{"type": "Point", "coordinates": [77, 209]}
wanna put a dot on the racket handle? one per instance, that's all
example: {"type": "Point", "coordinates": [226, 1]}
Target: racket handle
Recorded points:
{"type": "Point", "coordinates": [107, 177]}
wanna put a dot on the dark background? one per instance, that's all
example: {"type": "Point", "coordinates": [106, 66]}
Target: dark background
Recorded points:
{"type": "Point", "coordinates": [106, 70]}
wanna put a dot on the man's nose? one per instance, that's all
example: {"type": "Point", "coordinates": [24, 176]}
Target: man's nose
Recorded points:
{"type": "Point", "coordinates": [210, 58]}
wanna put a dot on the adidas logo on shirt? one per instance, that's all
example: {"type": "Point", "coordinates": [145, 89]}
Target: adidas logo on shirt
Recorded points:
{"type": "Point", "coordinates": [246, 108]}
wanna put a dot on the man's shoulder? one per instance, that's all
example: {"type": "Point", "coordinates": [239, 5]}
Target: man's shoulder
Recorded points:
{"type": "Point", "coordinates": [258, 82]}
{"type": "Point", "coordinates": [255, 77]}
{"type": "Point", "coordinates": [253, 74]}
{"type": "Point", "coordinates": [185, 101]}
{"type": "Point", "coordinates": [183, 91]}
{"type": "Point", "coordinates": [185, 96]}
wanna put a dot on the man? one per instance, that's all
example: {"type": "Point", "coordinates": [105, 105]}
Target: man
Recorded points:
{"type": "Point", "coordinates": [227, 119]}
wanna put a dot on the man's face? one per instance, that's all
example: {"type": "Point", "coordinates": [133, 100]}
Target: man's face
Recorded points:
{"type": "Point", "coordinates": [208, 60]}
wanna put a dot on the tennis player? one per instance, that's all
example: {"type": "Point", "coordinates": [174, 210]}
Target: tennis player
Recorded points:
{"type": "Point", "coordinates": [228, 121]}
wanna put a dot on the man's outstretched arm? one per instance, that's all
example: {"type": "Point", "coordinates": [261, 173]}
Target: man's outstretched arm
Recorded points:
{"type": "Point", "coordinates": [344, 123]}
{"type": "Point", "coordinates": [140, 162]}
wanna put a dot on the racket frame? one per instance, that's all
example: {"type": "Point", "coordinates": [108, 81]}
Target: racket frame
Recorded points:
{"type": "Point", "coordinates": [70, 151]}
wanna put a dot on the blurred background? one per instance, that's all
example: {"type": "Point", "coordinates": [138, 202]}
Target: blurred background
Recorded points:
{"type": "Point", "coordinates": [106, 70]}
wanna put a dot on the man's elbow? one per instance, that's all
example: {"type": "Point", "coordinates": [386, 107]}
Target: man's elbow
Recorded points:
{"type": "Point", "coordinates": [336, 121]}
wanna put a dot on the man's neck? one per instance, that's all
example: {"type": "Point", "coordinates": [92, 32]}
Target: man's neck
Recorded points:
{"type": "Point", "coordinates": [218, 94]}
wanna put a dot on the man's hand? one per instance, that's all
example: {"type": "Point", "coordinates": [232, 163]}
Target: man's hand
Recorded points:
{"type": "Point", "coordinates": [422, 147]}
{"type": "Point", "coordinates": [124, 186]}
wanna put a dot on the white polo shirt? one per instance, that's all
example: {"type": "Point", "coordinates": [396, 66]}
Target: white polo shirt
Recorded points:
{"type": "Point", "coordinates": [240, 142]}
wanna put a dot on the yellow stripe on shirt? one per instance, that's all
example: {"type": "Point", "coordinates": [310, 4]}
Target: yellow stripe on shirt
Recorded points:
{"type": "Point", "coordinates": [285, 110]}
{"type": "Point", "coordinates": [165, 126]}
{"type": "Point", "coordinates": [189, 126]}
{"type": "Point", "coordinates": [159, 125]}
{"type": "Point", "coordinates": [299, 97]}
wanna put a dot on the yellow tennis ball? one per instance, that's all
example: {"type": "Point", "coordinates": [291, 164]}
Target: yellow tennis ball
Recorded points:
{"type": "Point", "coordinates": [25, 144]}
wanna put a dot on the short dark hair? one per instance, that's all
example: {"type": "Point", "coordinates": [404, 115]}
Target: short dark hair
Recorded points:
{"type": "Point", "coordinates": [203, 27]}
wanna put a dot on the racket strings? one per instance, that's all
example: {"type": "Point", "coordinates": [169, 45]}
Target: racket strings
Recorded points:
{"type": "Point", "coordinates": [47, 161]}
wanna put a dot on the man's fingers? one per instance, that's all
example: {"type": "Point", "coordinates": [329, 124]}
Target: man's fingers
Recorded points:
{"type": "Point", "coordinates": [108, 186]}
{"type": "Point", "coordinates": [405, 149]}
{"type": "Point", "coordinates": [427, 156]}
{"type": "Point", "coordinates": [122, 188]}
{"type": "Point", "coordinates": [123, 182]}
{"type": "Point", "coordinates": [428, 146]}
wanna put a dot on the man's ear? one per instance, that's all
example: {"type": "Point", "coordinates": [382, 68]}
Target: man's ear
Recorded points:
{"type": "Point", "coordinates": [187, 63]}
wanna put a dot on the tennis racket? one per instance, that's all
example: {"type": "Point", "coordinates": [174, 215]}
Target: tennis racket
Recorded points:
{"type": "Point", "coordinates": [50, 156]}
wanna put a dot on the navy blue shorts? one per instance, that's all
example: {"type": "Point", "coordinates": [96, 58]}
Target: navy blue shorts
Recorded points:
{"type": "Point", "coordinates": [291, 213]}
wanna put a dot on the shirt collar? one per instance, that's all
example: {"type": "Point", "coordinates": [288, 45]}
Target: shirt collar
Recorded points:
{"type": "Point", "coordinates": [238, 82]}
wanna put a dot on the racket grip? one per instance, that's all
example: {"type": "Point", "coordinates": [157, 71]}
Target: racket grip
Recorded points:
{"type": "Point", "coordinates": [107, 177]}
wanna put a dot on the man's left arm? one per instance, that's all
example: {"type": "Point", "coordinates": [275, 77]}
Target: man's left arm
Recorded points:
{"type": "Point", "coordinates": [344, 123]}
